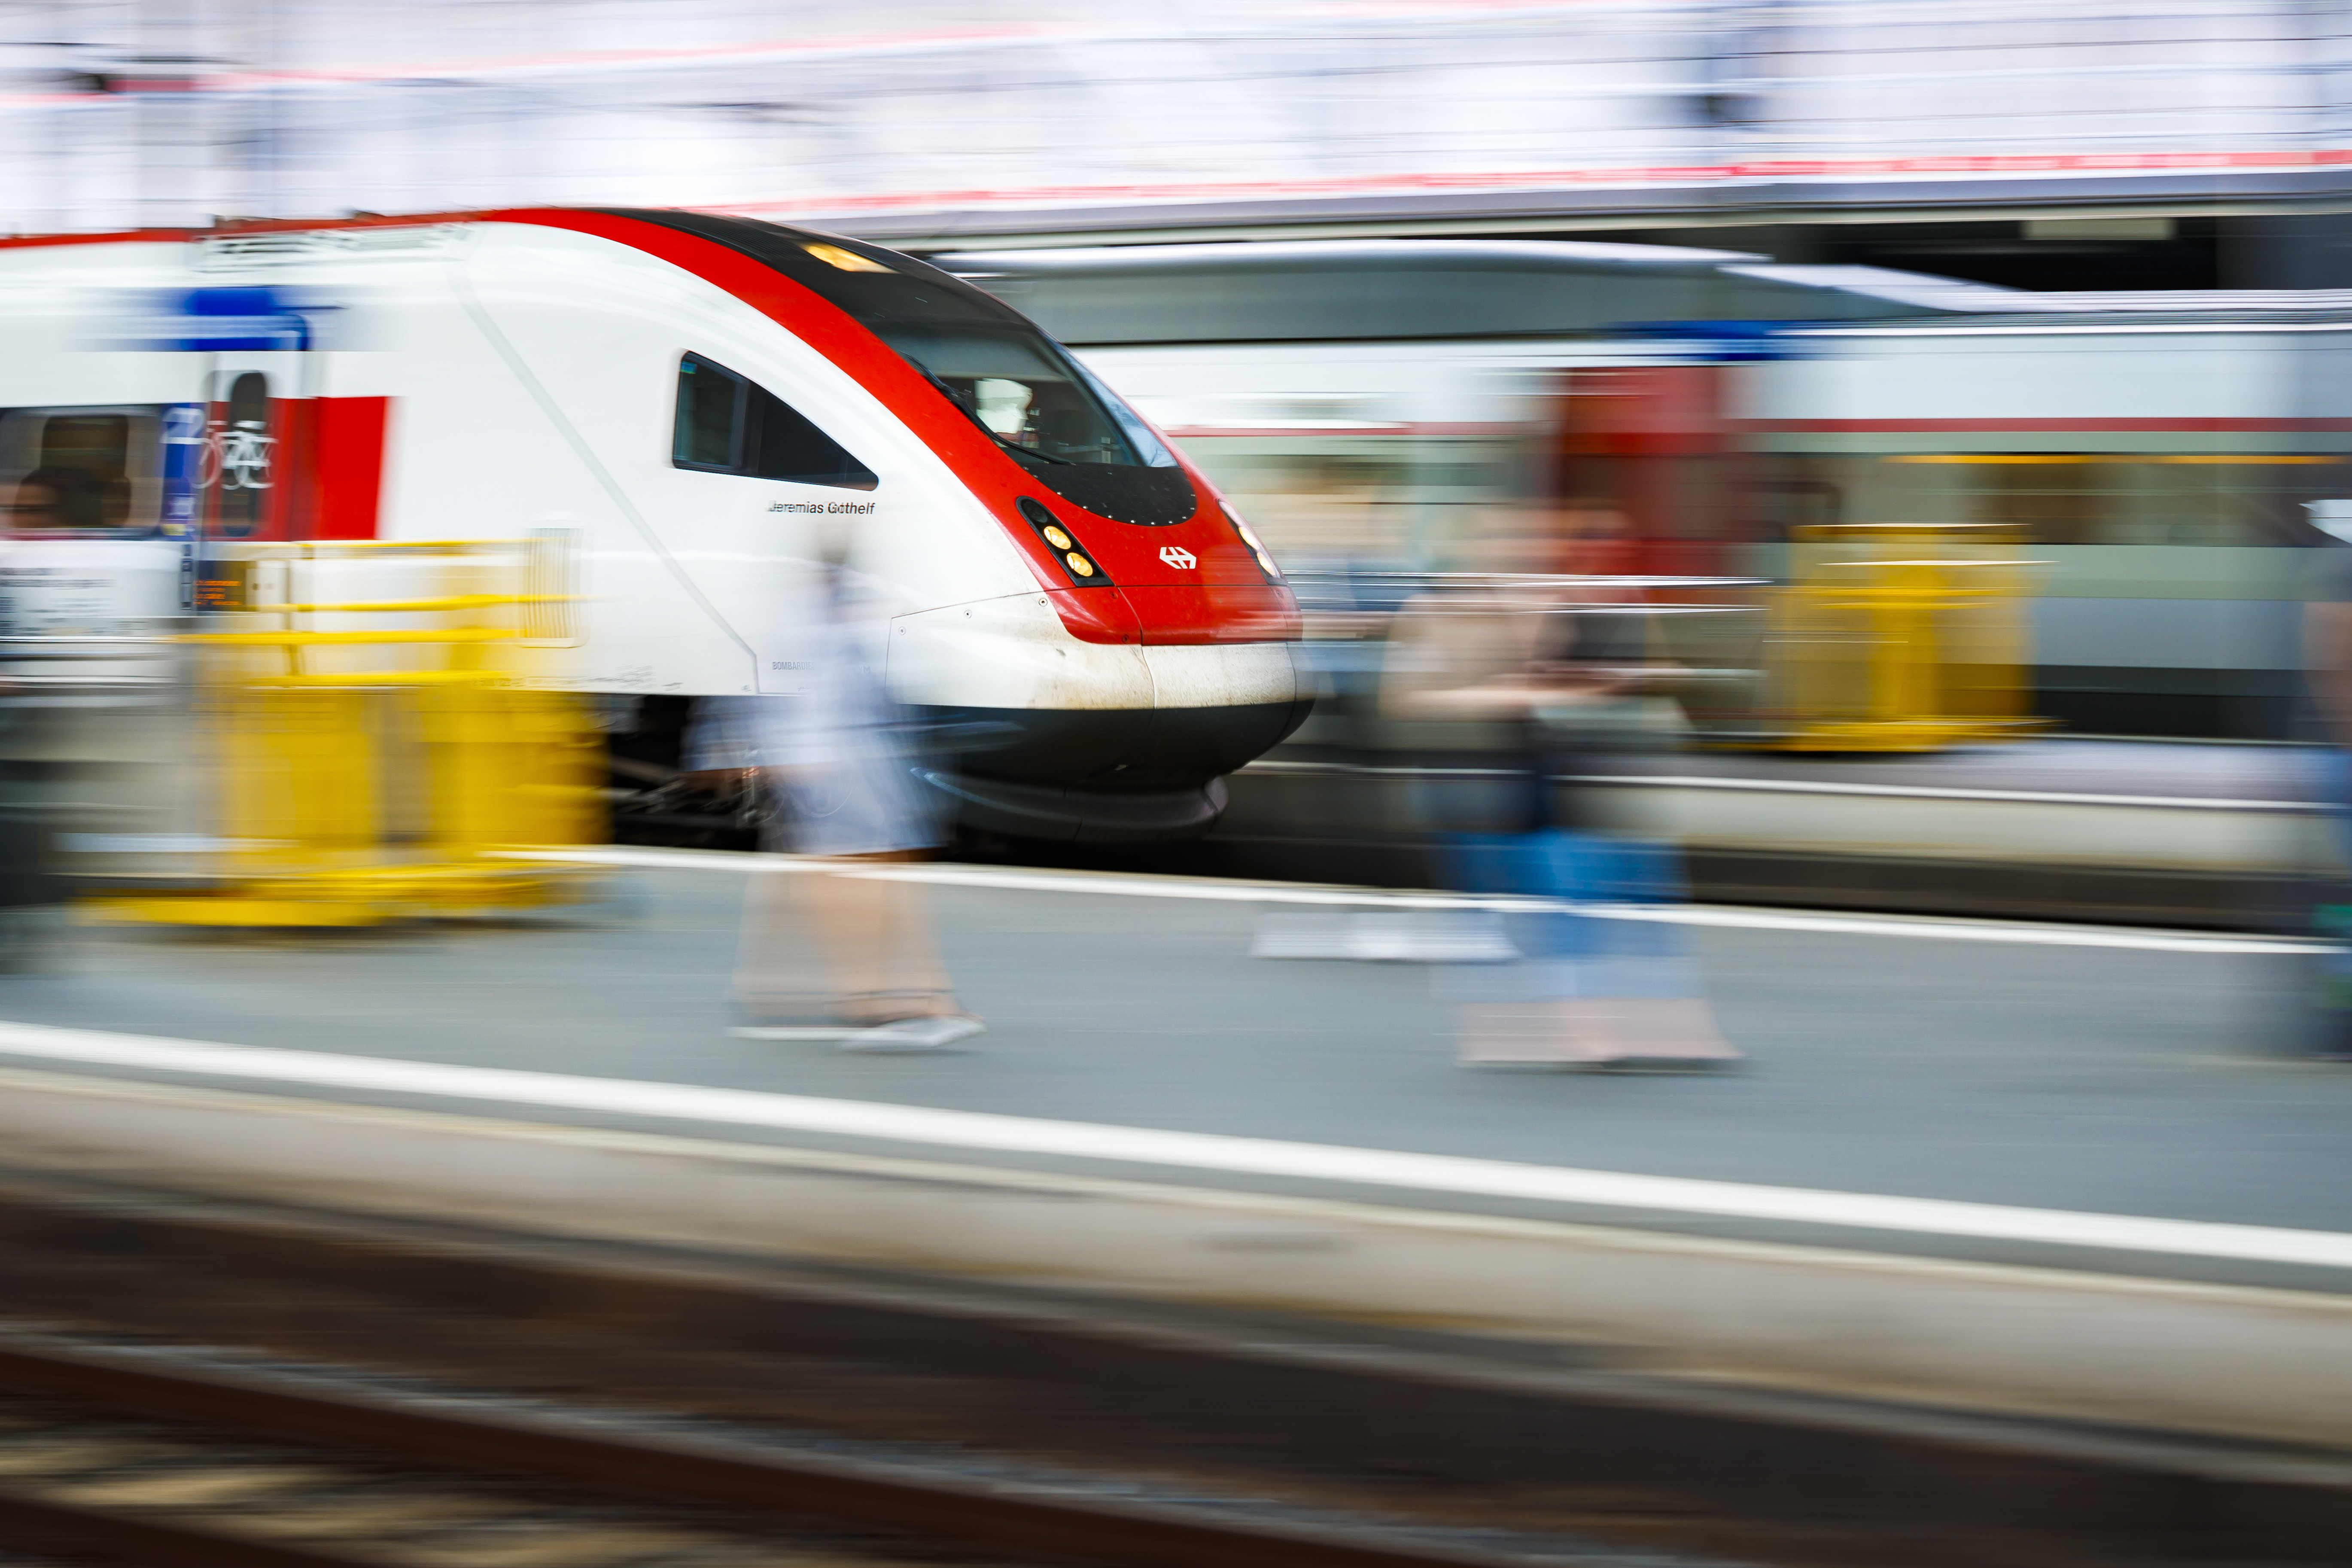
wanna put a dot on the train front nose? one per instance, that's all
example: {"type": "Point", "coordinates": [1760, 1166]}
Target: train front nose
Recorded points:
{"type": "Point", "coordinates": [1034, 732]}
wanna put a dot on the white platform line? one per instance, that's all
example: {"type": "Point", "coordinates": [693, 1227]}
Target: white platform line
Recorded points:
{"type": "Point", "coordinates": [1736, 918]}
{"type": "Point", "coordinates": [1956, 929]}
{"type": "Point", "coordinates": [969, 1130]}
{"type": "Point", "coordinates": [1941, 791]}
{"type": "Point", "coordinates": [1826, 787]}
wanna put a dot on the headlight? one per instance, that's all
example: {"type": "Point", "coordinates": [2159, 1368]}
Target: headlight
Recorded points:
{"type": "Point", "coordinates": [1264, 557]}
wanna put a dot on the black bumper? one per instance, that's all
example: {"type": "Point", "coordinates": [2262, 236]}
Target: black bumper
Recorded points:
{"type": "Point", "coordinates": [1114, 775]}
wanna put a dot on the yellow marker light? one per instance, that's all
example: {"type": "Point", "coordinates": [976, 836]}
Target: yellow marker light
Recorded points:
{"type": "Point", "coordinates": [1058, 539]}
{"type": "Point", "coordinates": [1080, 564]}
{"type": "Point", "coordinates": [847, 261]}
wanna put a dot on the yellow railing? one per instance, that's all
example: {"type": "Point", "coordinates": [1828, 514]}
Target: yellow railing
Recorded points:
{"type": "Point", "coordinates": [1903, 637]}
{"type": "Point", "coordinates": [385, 785]}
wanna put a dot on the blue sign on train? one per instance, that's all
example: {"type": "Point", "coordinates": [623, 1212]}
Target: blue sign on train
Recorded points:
{"type": "Point", "coordinates": [221, 321]}
{"type": "Point", "coordinates": [183, 450]}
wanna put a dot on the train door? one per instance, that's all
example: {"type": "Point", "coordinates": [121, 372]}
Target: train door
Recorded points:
{"type": "Point", "coordinates": [1656, 445]}
{"type": "Point", "coordinates": [1653, 442]}
{"type": "Point", "coordinates": [274, 461]}
{"type": "Point", "coordinates": [246, 443]}
{"type": "Point", "coordinates": [760, 482]}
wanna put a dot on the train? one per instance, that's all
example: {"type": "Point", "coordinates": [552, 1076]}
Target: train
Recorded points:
{"type": "Point", "coordinates": [1088, 487]}
{"type": "Point", "coordinates": [2165, 456]}
{"type": "Point", "coordinates": [662, 408]}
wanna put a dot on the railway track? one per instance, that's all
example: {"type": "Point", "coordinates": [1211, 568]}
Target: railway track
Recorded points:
{"type": "Point", "coordinates": [288, 1372]}
{"type": "Point", "coordinates": [138, 1459]}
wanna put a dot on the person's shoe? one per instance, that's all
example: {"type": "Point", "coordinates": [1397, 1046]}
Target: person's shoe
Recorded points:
{"type": "Point", "coordinates": [934, 1032]}
{"type": "Point", "coordinates": [2331, 1037]}
{"type": "Point", "coordinates": [1636, 1062]}
{"type": "Point", "coordinates": [794, 1031]}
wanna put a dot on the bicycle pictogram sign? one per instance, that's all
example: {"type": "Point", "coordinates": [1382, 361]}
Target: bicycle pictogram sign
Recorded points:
{"type": "Point", "coordinates": [237, 457]}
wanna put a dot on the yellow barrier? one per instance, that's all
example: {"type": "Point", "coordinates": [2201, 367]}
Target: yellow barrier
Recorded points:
{"type": "Point", "coordinates": [1903, 637]}
{"type": "Point", "coordinates": [383, 789]}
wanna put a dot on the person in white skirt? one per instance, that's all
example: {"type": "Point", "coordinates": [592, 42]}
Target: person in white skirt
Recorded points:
{"type": "Point", "coordinates": [837, 948]}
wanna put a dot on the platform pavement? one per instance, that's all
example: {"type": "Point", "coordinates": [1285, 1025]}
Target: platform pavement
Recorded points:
{"type": "Point", "coordinates": [2120, 1074]}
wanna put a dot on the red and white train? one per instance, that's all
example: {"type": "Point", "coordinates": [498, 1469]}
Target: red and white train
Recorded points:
{"type": "Point", "coordinates": [672, 403]}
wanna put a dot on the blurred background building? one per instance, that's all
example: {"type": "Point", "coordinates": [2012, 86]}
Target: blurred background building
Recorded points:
{"type": "Point", "coordinates": [2148, 152]}
{"type": "Point", "coordinates": [2131, 145]}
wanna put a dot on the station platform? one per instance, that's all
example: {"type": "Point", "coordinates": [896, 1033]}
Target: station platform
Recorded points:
{"type": "Point", "coordinates": [1935, 1117]}
{"type": "Point", "coordinates": [2072, 828]}
{"type": "Point", "coordinates": [2124, 1072]}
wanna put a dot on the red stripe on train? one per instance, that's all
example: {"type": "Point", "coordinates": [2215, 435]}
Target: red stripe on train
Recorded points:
{"type": "Point", "coordinates": [1179, 615]}
{"type": "Point", "coordinates": [347, 465]}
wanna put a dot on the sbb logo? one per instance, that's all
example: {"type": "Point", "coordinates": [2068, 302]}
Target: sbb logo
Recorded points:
{"type": "Point", "coordinates": [1178, 557]}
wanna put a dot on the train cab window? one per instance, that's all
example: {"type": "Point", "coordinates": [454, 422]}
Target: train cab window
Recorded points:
{"type": "Point", "coordinates": [1047, 411]}
{"type": "Point", "coordinates": [727, 425]}
{"type": "Point", "coordinates": [709, 431]}
{"type": "Point", "coordinates": [1028, 395]}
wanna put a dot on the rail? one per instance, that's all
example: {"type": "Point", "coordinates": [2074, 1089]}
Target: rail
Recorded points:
{"type": "Point", "coordinates": [741, 1478]}
{"type": "Point", "coordinates": [1519, 1447]}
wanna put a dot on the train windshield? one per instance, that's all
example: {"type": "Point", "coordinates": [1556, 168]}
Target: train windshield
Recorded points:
{"type": "Point", "coordinates": [1025, 391]}
{"type": "Point", "coordinates": [1070, 433]}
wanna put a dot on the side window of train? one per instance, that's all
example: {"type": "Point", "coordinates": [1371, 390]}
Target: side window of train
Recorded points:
{"type": "Point", "coordinates": [727, 424]}
{"type": "Point", "coordinates": [77, 470]}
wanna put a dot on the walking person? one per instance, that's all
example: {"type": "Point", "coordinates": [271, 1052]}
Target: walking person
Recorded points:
{"type": "Point", "coordinates": [2328, 658]}
{"type": "Point", "coordinates": [838, 947]}
{"type": "Point", "coordinates": [1487, 672]}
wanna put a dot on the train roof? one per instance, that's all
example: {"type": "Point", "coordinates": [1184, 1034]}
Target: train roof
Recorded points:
{"type": "Point", "coordinates": [1318, 255]}
{"type": "Point", "coordinates": [1385, 290]}
{"type": "Point", "coordinates": [1378, 290]}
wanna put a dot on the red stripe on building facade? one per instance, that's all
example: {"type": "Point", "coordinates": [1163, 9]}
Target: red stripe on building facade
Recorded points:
{"type": "Point", "coordinates": [2025, 427]}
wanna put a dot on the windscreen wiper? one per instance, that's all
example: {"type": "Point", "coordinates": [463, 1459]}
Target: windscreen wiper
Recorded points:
{"type": "Point", "coordinates": [1018, 450]}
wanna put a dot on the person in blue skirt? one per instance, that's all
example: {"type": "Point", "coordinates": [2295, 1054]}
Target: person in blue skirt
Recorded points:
{"type": "Point", "coordinates": [1492, 672]}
